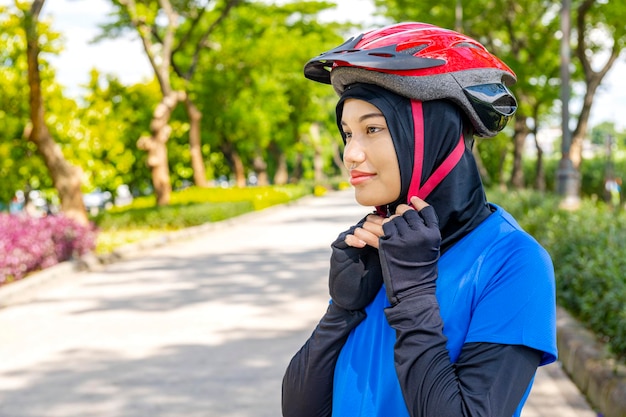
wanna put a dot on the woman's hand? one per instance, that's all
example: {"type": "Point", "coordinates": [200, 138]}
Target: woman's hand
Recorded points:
{"type": "Point", "coordinates": [416, 204]}
{"type": "Point", "coordinates": [368, 234]}
{"type": "Point", "coordinates": [372, 228]}
{"type": "Point", "coordinates": [409, 251]}
{"type": "Point", "coordinates": [355, 277]}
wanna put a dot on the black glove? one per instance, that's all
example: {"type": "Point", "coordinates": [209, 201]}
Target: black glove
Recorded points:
{"type": "Point", "coordinates": [355, 276]}
{"type": "Point", "coordinates": [409, 252]}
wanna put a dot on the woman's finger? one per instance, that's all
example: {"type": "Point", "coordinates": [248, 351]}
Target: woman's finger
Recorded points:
{"type": "Point", "coordinates": [418, 203]}
{"type": "Point", "coordinates": [374, 227]}
{"type": "Point", "coordinates": [355, 242]}
{"type": "Point", "coordinates": [366, 236]}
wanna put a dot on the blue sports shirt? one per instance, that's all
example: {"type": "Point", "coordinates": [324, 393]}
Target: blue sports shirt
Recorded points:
{"type": "Point", "coordinates": [496, 285]}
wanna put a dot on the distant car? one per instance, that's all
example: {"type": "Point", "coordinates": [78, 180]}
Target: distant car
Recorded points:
{"type": "Point", "coordinates": [123, 196]}
{"type": "Point", "coordinates": [97, 200]}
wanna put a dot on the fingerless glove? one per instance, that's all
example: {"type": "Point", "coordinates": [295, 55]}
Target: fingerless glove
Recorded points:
{"type": "Point", "coordinates": [409, 251]}
{"type": "Point", "coordinates": [355, 275]}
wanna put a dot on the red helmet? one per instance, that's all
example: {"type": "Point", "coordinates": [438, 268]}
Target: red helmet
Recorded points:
{"type": "Point", "coordinates": [424, 62]}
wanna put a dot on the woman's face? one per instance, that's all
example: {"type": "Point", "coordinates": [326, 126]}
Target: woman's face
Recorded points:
{"type": "Point", "coordinates": [369, 154]}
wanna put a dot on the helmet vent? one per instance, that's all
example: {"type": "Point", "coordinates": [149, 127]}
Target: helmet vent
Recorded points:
{"type": "Point", "coordinates": [466, 45]}
{"type": "Point", "coordinates": [413, 50]}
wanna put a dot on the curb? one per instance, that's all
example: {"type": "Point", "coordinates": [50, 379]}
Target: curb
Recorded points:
{"type": "Point", "coordinates": [27, 289]}
{"type": "Point", "coordinates": [587, 362]}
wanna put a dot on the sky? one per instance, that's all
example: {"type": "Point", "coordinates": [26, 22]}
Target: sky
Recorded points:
{"type": "Point", "coordinates": [77, 20]}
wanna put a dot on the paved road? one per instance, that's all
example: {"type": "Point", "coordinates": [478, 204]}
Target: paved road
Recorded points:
{"type": "Point", "coordinates": [202, 327]}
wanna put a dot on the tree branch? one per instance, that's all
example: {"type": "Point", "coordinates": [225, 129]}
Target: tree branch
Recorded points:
{"type": "Point", "coordinates": [203, 40]}
{"type": "Point", "coordinates": [581, 48]}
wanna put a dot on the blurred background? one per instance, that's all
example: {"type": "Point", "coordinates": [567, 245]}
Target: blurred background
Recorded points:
{"type": "Point", "coordinates": [121, 120]}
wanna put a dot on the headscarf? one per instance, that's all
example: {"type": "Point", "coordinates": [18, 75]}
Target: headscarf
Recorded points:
{"type": "Point", "coordinates": [435, 162]}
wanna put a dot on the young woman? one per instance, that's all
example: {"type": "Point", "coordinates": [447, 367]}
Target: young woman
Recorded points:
{"type": "Point", "coordinates": [441, 305]}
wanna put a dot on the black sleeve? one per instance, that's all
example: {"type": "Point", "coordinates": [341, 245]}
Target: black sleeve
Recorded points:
{"type": "Point", "coordinates": [308, 381]}
{"type": "Point", "coordinates": [488, 380]}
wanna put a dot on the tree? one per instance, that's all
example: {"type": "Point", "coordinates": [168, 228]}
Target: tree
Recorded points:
{"type": "Point", "coordinates": [169, 29]}
{"type": "Point", "coordinates": [595, 18]}
{"type": "Point", "coordinates": [66, 177]}
{"type": "Point", "coordinates": [112, 116]}
{"type": "Point", "coordinates": [527, 45]}
{"type": "Point", "coordinates": [261, 106]}
{"type": "Point", "coordinates": [601, 132]}
{"type": "Point", "coordinates": [16, 154]}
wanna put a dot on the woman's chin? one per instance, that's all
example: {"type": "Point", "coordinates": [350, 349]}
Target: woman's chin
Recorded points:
{"type": "Point", "coordinates": [368, 200]}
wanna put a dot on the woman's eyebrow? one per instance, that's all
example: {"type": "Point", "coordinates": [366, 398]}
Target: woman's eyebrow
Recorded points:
{"type": "Point", "coordinates": [366, 116]}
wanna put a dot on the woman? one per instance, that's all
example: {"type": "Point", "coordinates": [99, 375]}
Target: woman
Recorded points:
{"type": "Point", "coordinates": [441, 305]}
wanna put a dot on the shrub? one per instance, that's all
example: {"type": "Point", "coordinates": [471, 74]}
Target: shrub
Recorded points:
{"type": "Point", "coordinates": [190, 207]}
{"type": "Point", "coordinates": [28, 244]}
{"type": "Point", "coordinates": [172, 217]}
{"type": "Point", "coordinates": [586, 246]}
{"type": "Point", "coordinates": [592, 172]}
{"type": "Point", "coordinates": [259, 197]}
{"type": "Point", "coordinates": [194, 206]}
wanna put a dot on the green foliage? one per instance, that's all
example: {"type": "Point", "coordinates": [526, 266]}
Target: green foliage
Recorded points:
{"type": "Point", "coordinates": [259, 197]}
{"type": "Point", "coordinates": [528, 45]}
{"type": "Point", "coordinates": [593, 174]}
{"type": "Point", "coordinates": [172, 217]}
{"type": "Point", "coordinates": [253, 87]}
{"type": "Point", "coordinates": [189, 207]}
{"type": "Point", "coordinates": [586, 247]}
{"type": "Point", "coordinates": [113, 118]}
{"type": "Point", "coordinates": [605, 131]}
{"type": "Point", "coordinates": [196, 205]}
{"type": "Point", "coordinates": [249, 86]}
{"type": "Point", "coordinates": [21, 166]}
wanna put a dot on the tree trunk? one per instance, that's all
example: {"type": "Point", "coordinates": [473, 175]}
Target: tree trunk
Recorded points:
{"type": "Point", "coordinates": [282, 174]}
{"type": "Point", "coordinates": [66, 177]}
{"type": "Point", "coordinates": [484, 174]}
{"type": "Point", "coordinates": [156, 146]}
{"type": "Point", "coordinates": [298, 169]}
{"type": "Point", "coordinates": [240, 172]}
{"type": "Point", "coordinates": [501, 165]}
{"type": "Point", "coordinates": [519, 137]}
{"type": "Point", "coordinates": [195, 144]}
{"type": "Point", "coordinates": [580, 132]}
{"type": "Point", "coordinates": [593, 79]}
{"type": "Point", "coordinates": [540, 174]}
{"type": "Point", "coordinates": [260, 168]}
{"type": "Point", "coordinates": [338, 160]}
{"type": "Point", "coordinates": [318, 159]}
{"type": "Point", "coordinates": [236, 163]}
{"type": "Point", "coordinates": [159, 55]}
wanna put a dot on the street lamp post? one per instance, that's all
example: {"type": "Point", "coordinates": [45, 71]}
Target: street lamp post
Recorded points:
{"type": "Point", "coordinates": [567, 177]}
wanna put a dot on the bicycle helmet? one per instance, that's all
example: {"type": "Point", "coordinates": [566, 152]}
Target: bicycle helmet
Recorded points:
{"type": "Point", "coordinates": [424, 62]}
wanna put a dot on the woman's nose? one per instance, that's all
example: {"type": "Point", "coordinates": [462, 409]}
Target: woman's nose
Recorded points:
{"type": "Point", "coordinates": [353, 153]}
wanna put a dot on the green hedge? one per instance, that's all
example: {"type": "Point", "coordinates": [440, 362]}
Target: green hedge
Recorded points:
{"type": "Point", "coordinates": [172, 217]}
{"type": "Point", "coordinates": [194, 206]}
{"type": "Point", "coordinates": [587, 246]}
{"type": "Point", "coordinates": [190, 207]}
{"type": "Point", "coordinates": [593, 172]}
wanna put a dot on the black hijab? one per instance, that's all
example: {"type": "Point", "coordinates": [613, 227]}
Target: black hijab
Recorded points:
{"type": "Point", "coordinates": [430, 135]}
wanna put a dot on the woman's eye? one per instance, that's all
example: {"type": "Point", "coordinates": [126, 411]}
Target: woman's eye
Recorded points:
{"type": "Point", "coordinates": [373, 129]}
{"type": "Point", "coordinates": [347, 135]}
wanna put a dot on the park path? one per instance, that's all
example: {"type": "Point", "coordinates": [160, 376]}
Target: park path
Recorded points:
{"type": "Point", "coordinates": [202, 327]}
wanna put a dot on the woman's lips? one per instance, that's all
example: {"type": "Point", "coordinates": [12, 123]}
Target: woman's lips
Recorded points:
{"type": "Point", "coordinates": [359, 177]}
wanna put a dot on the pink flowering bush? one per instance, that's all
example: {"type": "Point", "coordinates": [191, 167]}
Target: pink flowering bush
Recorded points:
{"type": "Point", "coordinates": [28, 244]}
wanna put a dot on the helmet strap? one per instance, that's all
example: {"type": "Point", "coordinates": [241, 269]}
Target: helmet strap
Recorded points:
{"type": "Point", "coordinates": [415, 188]}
